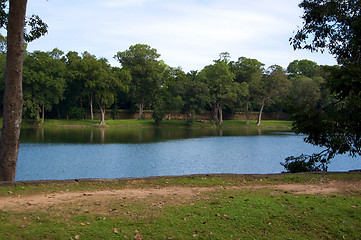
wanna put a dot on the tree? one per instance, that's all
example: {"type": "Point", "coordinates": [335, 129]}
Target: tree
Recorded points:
{"type": "Point", "coordinates": [100, 82]}
{"type": "Point", "coordinates": [106, 87]}
{"type": "Point", "coordinates": [304, 94]}
{"type": "Point", "coordinates": [12, 105]}
{"type": "Point", "coordinates": [303, 67]}
{"type": "Point", "coordinates": [145, 69]}
{"type": "Point", "coordinates": [14, 21]}
{"type": "Point", "coordinates": [273, 84]}
{"type": "Point", "coordinates": [73, 96]}
{"type": "Point", "coordinates": [334, 26]}
{"type": "Point", "coordinates": [194, 95]}
{"type": "Point", "coordinates": [249, 71]}
{"type": "Point", "coordinates": [169, 100]}
{"type": "Point", "coordinates": [222, 89]}
{"type": "Point", "coordinates": [89, 71]}
{"type": "Point", "coordinates": [43, 82]}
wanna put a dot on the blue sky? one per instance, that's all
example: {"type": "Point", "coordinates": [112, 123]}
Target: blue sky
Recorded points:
{"type": "Point", "coordinates": [187, 33]}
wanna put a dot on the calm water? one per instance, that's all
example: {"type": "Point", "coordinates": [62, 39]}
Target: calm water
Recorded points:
{"type": "Point", "coordinates": [123, 152]}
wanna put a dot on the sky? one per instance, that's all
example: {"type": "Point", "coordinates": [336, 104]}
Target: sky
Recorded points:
{"type": "Point", "coordinates": [186, 33]}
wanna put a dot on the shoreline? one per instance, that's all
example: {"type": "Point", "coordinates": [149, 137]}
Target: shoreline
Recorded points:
{"type": "Point", "coordinates": [152, 178]}
{"type": "Point", "coordinates": [120, 123]}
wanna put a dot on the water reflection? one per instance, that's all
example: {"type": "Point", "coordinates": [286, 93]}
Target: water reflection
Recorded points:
{"type": "Point", "coordinates": [130, 135]}
{"type": "Point", "coordinates": [68, 153]}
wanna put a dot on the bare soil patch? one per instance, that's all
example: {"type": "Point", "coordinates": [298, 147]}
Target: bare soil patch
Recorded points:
{"type": "Point", "coordinates": [42, 201]}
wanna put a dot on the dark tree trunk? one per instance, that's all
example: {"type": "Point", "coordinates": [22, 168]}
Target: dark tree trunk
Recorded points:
{"type": "Point", "coordinates": [91, 108]}
{"type": "Point", "coordinates": [215, 112]}
{"type": "Point", "coordinates": [141, 107]}
{"type": "Point", "coordinates": [220, 114]}
{"type": "Point", "coordinates": [42, 114]}
{"type": "Point", "coordinates": [260, 113]}
{"type": "Point", "coordinates": [247, 112]}
{"type": "Point", "coordinates": [13, 94]}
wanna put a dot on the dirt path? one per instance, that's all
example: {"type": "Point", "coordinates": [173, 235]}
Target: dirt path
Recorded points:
{"type": "Point", "coordinates": [13, 202]}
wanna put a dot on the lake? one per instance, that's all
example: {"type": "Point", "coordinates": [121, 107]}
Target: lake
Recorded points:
{"type": "Point", "coordinates": [73, 153]}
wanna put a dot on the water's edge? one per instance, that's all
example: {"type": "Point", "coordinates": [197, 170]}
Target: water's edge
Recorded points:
{"type": "Point", "coordinates": [115, 180]}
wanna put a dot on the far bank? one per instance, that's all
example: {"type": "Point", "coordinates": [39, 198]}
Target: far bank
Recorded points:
{"type": "Point", "coordinates": [49, 123]}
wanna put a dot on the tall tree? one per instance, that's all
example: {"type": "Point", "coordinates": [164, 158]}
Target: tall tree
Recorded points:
{"type": "Point", "coordinates": [273, 84]}
{"type": "Point", "coordinates": [106, 86]}
{"type": "Point", "coordinates": [170, 95]}
{"type": "Point", "coordinates": [249, 71]}
{"type": "Point", "coordinates": [89, 71]}
{"type": "Point", "coordinates": [12, 105]}
{"type": "Point", "coordinates": [145, 69]}
{"type": "Point", "coordinates": [74, 100]}
{"type": "Point", "coordinates": [194, 94]}
{"type": "Point", "coordinates": [43, 82]}
{"type": "Point", "coordinates": [100, 83]}
{"type": "Point", "coordinates": [14, 21]}
{"type": "Point", "coordinates": [334, 26]}
{"type": "Point", "coordinates": [222, 89]}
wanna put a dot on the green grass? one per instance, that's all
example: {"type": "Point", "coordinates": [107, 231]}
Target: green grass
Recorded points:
{"type": "Point", "coordinates": [253, 123]}
{"type": "Point", "coordinates": [220, 214]}
{"type": "Point", "coordinates": [150, 123]}
{"type": "Point", "coordinates": [209, 180]}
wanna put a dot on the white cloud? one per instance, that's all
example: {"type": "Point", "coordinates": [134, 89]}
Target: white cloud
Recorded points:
{"type": "Point", "coordinates": [187, 33]}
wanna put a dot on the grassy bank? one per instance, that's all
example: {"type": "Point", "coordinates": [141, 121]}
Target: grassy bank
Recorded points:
{"type": "Point", "coordinates": [215, 207]}
{"type": "Point", "coordinates": [150, 123]}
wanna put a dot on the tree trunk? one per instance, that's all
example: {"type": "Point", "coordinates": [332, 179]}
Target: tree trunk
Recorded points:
{"type": "Point", "coordinates": [220, 114]}
{"type": "Point", "coordinates": [91, 108]}
{"type": "Point", "coordinates": [169, 116]}
{"type": "Point", "coordinates": [42, 114]}
{"type": "Point", "coordinates": [13, 94]}
{"type": "Point", "coordinates": [102, 111]}
{"type": "Point", "coordinates": [141, 107]}
{"type": "Point", "coordinates": [247, 112]}
{"type": "Point", "coordinates": [260, 113]}
{"type": "Point", "coordinates": [215, 112]}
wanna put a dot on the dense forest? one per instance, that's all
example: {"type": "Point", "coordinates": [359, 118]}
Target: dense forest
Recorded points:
{"type": "Point", "coordinates": [73, 85]}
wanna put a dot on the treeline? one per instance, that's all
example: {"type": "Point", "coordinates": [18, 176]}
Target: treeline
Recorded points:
{"type": "Point", "coordinates": [59, 85]}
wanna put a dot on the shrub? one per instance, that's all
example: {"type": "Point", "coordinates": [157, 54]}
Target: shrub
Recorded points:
{"type": "Point", "coordinates": [158, 112]}
{"type": "Point", "coordinates": [77, 113]}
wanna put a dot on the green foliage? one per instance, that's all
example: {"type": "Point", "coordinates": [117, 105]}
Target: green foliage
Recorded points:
{"type": "Point", "coordinates": [222, 89]}
{"type": "Point", "coordinates": [35, 27]}
{"type": "Point", "coordinates": [77, 113]}
{"type": "Point", "coordinates": [333, 26]}
{"type": "Point", "coordinates": [190, 121]}
{"type": "Point", "coordinates": [171, 92]}
{"type": "Point", "coordinates": [303, 67]}
{"type": "Point", "coordinates": [305, 163]}
{"type": "Point", "coordinates": [274, 84]}
{"type": "Point", "coordinates": [195, 95]}
{"type": "Point", "coordinates": [333, 121]}
{"type": "Point", "coordinates": [44, 82]}
{"type": "Point", "coordinates": [158, 112]}
{"type": "Point", "coordinates": [141, 61]}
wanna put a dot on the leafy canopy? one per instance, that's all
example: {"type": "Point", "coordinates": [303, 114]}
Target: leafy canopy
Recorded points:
{"type": "Point", "coordinates": [335, 124]}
